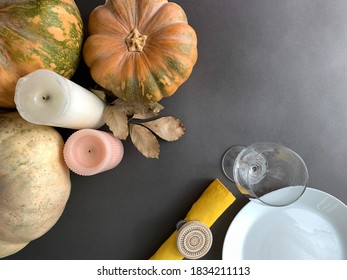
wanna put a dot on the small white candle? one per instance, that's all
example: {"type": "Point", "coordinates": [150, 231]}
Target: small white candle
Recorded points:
{"type": "Point", "coordinates": [47, 98]}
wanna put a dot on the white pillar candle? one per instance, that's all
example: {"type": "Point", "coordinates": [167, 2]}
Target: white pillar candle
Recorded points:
{"type": "Point", "coordinates": [47, 98]}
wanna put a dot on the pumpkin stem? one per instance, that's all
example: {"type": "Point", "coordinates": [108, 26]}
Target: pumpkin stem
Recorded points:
{"type": "Point", "coordinates": [135, 41]}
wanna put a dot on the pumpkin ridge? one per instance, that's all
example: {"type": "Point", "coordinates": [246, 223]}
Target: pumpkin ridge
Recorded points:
{"type": "Point", "coordinates": [146, 10]}
{"type": "Point", "coordinates": [187, 58]}
{"type": "Point", "coordinates": [101, 14]}
{"type": "Point", "coordinates": [106, 75]}
{"type": "Point", "coordinates": [121, 13]}
{"type": "Point", "coordinates": [102, 46]}
{"type": "Point", "coordinates": [147, 80]}
{"type": "Point", "coordinates": [160, 19]}
{"type": "Point", "coordinates": [129, 87]}
{"type": "Point", "coordinates": [169, 30]}
{"type": "Point", "coordinates": [160, 79]}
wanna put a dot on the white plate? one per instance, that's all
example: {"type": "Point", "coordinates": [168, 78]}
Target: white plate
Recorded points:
{"type": "Point", "coordinates": [313, 227]}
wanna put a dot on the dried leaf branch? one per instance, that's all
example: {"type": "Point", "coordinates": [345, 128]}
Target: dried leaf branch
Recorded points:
{"type": "Point", "coordinates": [136, 119]}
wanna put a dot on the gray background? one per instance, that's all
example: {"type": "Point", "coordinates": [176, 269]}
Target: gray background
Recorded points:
{"type": "Point", "coordinates": [270, 70]}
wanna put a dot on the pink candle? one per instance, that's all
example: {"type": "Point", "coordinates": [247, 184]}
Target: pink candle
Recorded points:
{"type": "Point", "coordinates": [89, 151]}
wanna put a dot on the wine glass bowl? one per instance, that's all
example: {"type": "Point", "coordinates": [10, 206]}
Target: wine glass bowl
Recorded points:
{"type": "Point", "coordinates": [266, 172]}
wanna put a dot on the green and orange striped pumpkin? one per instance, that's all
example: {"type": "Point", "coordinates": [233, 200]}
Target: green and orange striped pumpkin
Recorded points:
{"type": "Point", "coordinates": [141, 50]}
{"type": "Point", "coordinates": [37, 34]}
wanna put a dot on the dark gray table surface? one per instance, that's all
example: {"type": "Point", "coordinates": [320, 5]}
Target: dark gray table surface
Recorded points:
{"type": "Point", "coordinates": [270, 70]}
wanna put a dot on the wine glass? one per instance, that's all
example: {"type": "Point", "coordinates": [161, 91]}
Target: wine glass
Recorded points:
{"type": "Point", "coordinates": [266, 172]}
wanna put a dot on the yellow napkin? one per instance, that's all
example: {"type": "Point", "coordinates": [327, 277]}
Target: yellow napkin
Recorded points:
{"type": "Point", "coordinates": [207, 209]}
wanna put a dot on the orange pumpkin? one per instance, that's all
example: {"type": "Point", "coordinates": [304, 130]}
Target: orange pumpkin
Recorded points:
{"type": "Point", "coordinates": [37, 34]}
{"type": "Point", "coordinates": [141, 50]}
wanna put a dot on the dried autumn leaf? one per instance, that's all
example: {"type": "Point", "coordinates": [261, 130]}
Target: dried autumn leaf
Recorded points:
{"type": "Point", "coordinates": [144, 116]}
{"type": "Point", "coordinates": [99, 93]}
{"type": "Point", "coordinates": [103, 94]}
{"type": "Point", "coordinates": [156, 107]}
{"type": "Point", "coordinates": [168, 128]}
{"type": "Point", "coordinates": [144, 141]}
{"type": "Point", "coordinates": [154, 110]}
{"type": "Point", "coordinates": [117, 121]}
{"type": "Point", "coordinates": [131, 108]}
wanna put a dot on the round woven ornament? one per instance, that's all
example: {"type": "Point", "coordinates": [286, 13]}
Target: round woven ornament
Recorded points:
{"type": "Point", "coordinates": [193, 240]}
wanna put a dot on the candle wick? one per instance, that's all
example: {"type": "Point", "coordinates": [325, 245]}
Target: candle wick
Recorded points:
{"type": "Point", "coordinates": [45, 97]}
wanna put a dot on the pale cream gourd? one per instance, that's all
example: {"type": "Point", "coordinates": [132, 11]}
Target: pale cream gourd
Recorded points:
{"type": "Point", "coordinates": [34, 181]}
